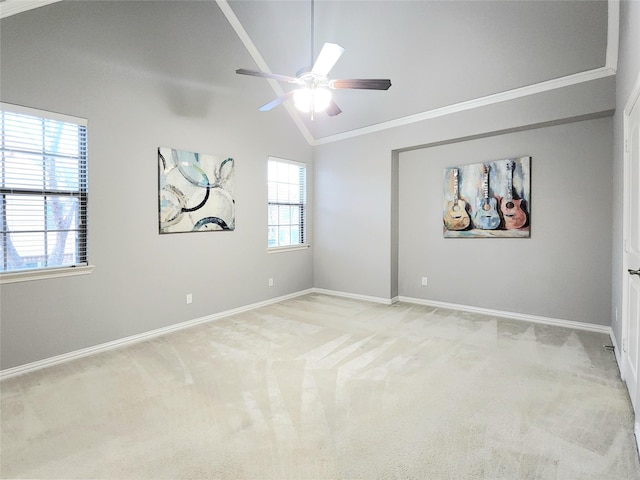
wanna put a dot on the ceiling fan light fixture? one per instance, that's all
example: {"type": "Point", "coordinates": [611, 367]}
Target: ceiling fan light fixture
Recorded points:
{"type": "Point", "coordinates": [312, 99]}
{"type": "Point", "coordinates": [314, 94]}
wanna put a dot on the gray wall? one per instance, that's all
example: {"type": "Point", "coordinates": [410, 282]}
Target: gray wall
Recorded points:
{"type": "Point", "coordinates": [562, 271]}
{"type": "Point", "coordinates": [355, 237]}
{"type": "Point", "coordinates": [146, 75]}
{"type": "Point", "coordinates": [149, 74]}
{"type": "Point", "coordinates": [628, 73]}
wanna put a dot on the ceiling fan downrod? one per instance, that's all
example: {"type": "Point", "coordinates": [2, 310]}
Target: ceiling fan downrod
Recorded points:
{"type": "Point", "coordinates": [312, 31]}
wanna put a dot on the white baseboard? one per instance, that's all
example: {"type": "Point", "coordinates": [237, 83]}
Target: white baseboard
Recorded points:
{"type": "Point", "coordinates": [48, 362]}
{"type": "Point", "coordinates": [591, 327]}
{"type": "Point", "coordinates": [616, 350]}
{"type": "Point", "coordinates": [356, 296]}
{"type": "Point", "coordinates": [103, 347]}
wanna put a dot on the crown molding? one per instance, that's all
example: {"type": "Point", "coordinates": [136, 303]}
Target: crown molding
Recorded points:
{"type": "Point", "coordinates": [613, 34]}
{"type": "Point", "coordinates": [609, 69]}
{"type": "Point", "coordinates": [475, 103]}
{"type": "Point", "coordinates": [13, 7]}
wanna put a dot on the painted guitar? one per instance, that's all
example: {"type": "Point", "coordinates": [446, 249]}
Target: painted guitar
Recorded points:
{"type": "Point", "coordinates": [486, 215]}
{"type": "Point", "coordinates": [511, 208]}
{"type": "Point", "coordinates": [456, 216]}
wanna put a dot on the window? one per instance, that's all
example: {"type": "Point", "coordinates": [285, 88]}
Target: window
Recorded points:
{"type": "Point", "coordinates": [287, 184]}
{"type": "Point", "coordinates": [43, 190]}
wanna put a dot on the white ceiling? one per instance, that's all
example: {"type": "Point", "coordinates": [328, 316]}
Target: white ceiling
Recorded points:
{"type": "Point", "coordinates": [441, 56]}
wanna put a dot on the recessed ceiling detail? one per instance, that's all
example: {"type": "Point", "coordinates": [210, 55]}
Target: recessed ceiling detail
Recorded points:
{"type": "Point", "coordinates": [444, 57]}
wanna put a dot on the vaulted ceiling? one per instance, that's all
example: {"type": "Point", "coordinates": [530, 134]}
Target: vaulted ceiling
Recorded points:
{"type": "Point", "coordinates": [441, 56]}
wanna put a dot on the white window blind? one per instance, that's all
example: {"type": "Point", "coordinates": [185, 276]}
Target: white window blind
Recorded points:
{"type": "Point", "coordinates": [43, 191]}
{"type": "Point", "coordinates": [287, 186]}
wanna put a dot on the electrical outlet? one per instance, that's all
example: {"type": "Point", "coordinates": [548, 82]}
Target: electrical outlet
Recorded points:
{"type": "Point", "coordinates": [189, 298]}
{"type": "Point", "coordinates": [425, 281]}
{"type": "Point", "coordinates": [271, 282]}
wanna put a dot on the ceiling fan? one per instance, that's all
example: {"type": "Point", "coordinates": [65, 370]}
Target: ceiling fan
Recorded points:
{"type": "Point", "coordinates": [314, 94]}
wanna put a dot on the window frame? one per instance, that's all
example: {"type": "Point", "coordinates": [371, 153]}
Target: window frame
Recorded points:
{"type": "Point", "coordinates": [303, 204]}
{"type": "Point", "coordinates": [56, 271]}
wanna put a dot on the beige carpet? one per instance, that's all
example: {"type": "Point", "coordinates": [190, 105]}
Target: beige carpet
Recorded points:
{"type": "Point", "coordinates": [322, 387]}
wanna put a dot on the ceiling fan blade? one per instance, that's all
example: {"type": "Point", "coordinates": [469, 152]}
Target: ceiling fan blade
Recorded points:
{"type": "Point", "coordinates": [328, 57]}
{"type": "Point", "coordinates": [362, 83]}
{"type": "Point", "coordinates": [273, 76]}
{"type": "Point", "coordinates": [333, 109]}
{"type": "Point", "coordinates": [276, 102]}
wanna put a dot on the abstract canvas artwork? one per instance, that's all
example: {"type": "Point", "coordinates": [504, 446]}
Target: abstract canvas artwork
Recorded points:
{"type": "Point", "coordinates": [195, 192]}
{"type": "Point", "coordinates": [489, 199]}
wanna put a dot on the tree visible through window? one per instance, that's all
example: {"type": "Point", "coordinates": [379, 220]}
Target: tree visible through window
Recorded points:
{"type": "Point", "coordinates": [43, 191]}
{"type": "Point", "coordinates": [287, 185]}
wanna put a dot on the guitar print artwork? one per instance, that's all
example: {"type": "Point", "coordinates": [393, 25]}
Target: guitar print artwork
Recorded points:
{"type": "Point", "coordinates": [456, 216]}
{"type": "Point", "coordinates": [486, 215]}
{"type": "Point", "coordinates": [514, 215]}
{"type": "Point", "coordinates": [488, 199]}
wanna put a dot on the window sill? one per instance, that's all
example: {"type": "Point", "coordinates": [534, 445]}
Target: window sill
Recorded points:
{"type": "Point", "coordinates": [288, 248]}
{"type": "Point", "coordinates": [42, 274]}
